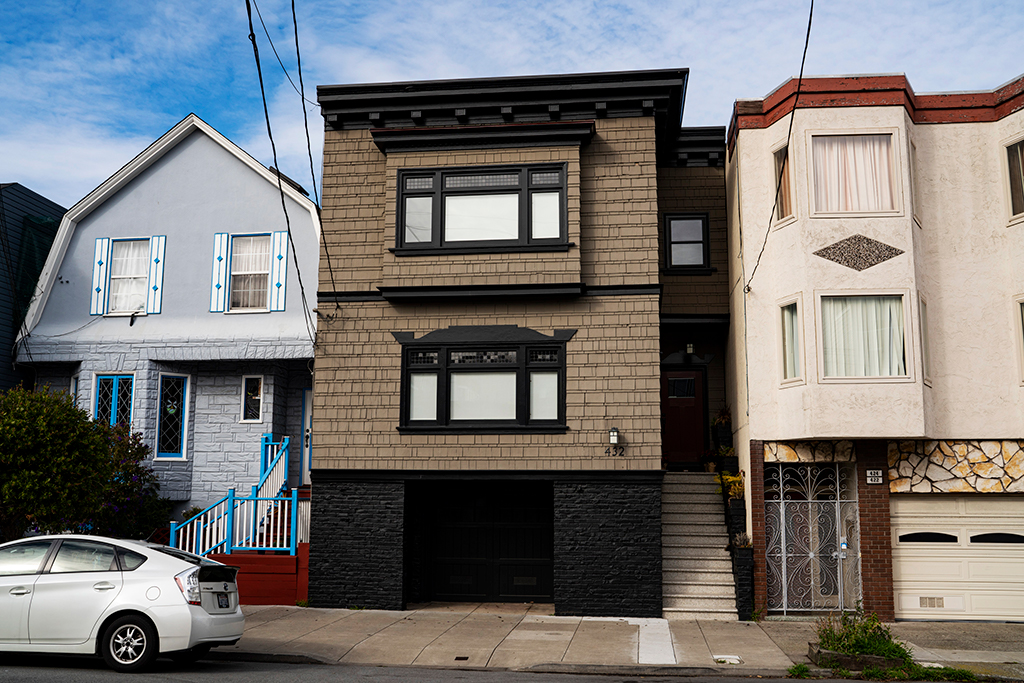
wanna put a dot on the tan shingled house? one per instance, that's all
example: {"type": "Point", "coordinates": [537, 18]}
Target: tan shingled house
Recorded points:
{"type": "Point", "coordinates": [523, 312]}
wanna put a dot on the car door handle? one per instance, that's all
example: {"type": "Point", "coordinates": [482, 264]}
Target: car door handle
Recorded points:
{"type": "Point", "coordinates": [20, 590]}
{"type": "Point", "coordinates": [103, 586]}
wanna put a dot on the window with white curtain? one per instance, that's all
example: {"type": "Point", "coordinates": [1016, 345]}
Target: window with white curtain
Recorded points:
{"type": "Point", "coordinates": [926, 354]}
{"type": "Point", "coordinates": [784, 203]}
{"type": "Point", "coordinates": [862, 336]}
{"type": "Point", "coordinates": [1015, 156]}
{"type": "Point", "coordinates": [250, 272]}
{"type": "Point", "coordinates": [129, 274]}
{"type": "Point", "coordinates": [853, 173]}
{"type": "Point", "coordinates": [790, 342]}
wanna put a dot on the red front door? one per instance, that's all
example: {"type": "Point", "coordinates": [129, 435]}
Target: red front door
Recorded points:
{"type": "Point", "coordinates": [682, 416]}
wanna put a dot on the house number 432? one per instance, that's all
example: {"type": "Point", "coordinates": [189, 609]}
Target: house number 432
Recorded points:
{"type": "Point", "coordinates": [615, 451]}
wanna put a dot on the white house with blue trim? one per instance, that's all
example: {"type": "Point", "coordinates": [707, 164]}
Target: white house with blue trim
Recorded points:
{"type": "Point", "coordinates": [171, 300]}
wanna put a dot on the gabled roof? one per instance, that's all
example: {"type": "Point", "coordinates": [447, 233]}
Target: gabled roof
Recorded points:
{"type": "Point", "coordinates": [129, 172]}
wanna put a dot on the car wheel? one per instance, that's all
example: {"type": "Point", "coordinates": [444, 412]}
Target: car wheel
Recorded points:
{"type": "Point", "coordinates": [129, 644]}
{"type": "Point", "coordinates": [192, 655]}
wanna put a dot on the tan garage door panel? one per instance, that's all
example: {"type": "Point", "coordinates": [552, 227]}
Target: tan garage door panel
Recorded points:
{"type": "Point", "coordinates": [939, 573]}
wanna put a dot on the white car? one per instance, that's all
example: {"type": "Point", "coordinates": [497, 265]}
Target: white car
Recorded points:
{"type": "Point", "coordinates": [127, 601]}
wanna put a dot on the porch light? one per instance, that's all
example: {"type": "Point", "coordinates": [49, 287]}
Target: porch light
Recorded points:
{"type": "Point", "coordinates": [613, 436]}
{"type": "Point", "coordinates": [689, 348]}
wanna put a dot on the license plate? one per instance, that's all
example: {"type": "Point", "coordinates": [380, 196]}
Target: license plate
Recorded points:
{"type": "Point", "coordinates": [222, 601]}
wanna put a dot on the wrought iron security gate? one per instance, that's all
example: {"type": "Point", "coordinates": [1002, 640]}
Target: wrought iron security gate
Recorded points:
{"type": "Point", "coordinates": [813, 538]}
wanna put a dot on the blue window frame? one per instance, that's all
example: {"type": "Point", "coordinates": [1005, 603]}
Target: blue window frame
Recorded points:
{"type": "Point", "coordinates": [171, 416]}
{"type": "Point", "coordinates": [114, 399]}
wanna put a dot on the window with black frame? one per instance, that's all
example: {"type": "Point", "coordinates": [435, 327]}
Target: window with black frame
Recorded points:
{"type": "Point", "coordinates": [483, 208]}
{"type": "Point", "coordinates": [686, 242]}
{"type": "Point", "coordinates": [484, 379]}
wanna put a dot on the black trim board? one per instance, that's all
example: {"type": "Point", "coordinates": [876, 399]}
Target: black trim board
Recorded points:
{"type": "Point", "coordinates": [540, 134]}
{"type": "Point", "coordinates": [570, 476]}
{"type": "Point", "coordinates": [434, 293]}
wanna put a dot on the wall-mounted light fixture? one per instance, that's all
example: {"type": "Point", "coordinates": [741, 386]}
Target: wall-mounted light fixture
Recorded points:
{"type": "Point", "coordinates": [613, 436]}
{"type": "Point", "coordinates": [689, 348]}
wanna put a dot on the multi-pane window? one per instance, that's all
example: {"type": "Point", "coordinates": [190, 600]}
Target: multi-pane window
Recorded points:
{"type": "Point", "coordinates": [475, 384]}
{"type": "Point", "coordinates": [926, 353]}
{"type": "Point", "coordinates": [252, 398]}
{"type": "Point", "coordinates": [250, 272]}
{"type": "Point", "coordinates": [784, 200]}
{"type": "Point", "coordinates": [129, 274]}
{"type": "Point", "coordinates": [862, 336]}
{"type": "Point", "coordinates": [1015, 156]}
{"type": "Point", "coordinates": [790, 341]}
{"type": "Point", "coordinates": [114, 399]}
{"type": "Point", "coordinates": [483, 207]}
{"type": "Point", "coordinates": [686, 241]}
{"type": "Point", "coordinates": [171, 418]}
{"type": "Point", "coordinates": [853, 173]}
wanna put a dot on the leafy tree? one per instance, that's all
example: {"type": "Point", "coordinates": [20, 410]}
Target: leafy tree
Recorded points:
{"type": "Point", "coordinates": [54, 462]}
{"type": "Point", "coordinates": [132, 506]}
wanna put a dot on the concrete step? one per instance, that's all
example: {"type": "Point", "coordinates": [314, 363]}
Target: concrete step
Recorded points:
{"type": "Point", "coordinates": [689, 486]}
{"type": "Point", "coordinates": [709, 497]}
{"type": "Point", "coordinates": [721, 577]}
{"type": "Point", "coordinates": [695, 531]}
{"type": "Point", "coordinates": [715, 591]}
{"type": "Point", "coordinates": [687, 563]}
{"type": "Point", "coordinates": [695, 519]}
{"type": "Point", "coordinates": [690, 476]}
{"type": "Point", "coordinates": [681, 614]}
{"type": "Point", "coordinates": [711, 604]}
{"type": "Point", "coordinates": [686, 552]}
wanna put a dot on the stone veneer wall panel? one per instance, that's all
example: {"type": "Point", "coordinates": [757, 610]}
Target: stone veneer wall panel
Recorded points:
{"type": "Point", "coordinates": [994, 466]}
{"type": "Point", "coordinates": [356, 544]}
{"type": "Point", "coordinates": [608, 548]}
{"type": "Point", "coordinates": [612, 373]}
{"type": "Point", "coordinates": [695, 190]}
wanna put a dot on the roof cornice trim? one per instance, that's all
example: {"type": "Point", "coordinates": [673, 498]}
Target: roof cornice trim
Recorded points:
{"type": "Point", "coordinates": [574, 133]}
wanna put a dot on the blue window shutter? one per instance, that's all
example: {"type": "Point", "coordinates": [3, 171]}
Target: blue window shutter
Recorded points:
{"type": "Point", "coordinates": [278, 270]}
{"type": "Point", "coordinates": [98, 298]}
{"type": "Point", "coordinates": [155, 290]}
{"type": "Point", "coordinates": [219, 284]}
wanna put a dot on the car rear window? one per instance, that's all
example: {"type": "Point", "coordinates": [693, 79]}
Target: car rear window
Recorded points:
{"type": "Point", "coordinates": [23, 558]}
{"type": "Point", "coordinates": [129, 560]}
{"type": "Point", "coordinates": [187, 557]}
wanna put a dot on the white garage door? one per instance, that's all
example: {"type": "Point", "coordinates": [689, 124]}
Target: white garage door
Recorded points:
{"type": "Point", "coordinates": [958, 556]}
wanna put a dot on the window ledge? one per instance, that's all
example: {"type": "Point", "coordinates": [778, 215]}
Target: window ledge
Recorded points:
{"type": "Point", "coordinates": [245, 311]}
{"type": "Point", "coordinates": [448, 251]}
{"type": "Point", "coordinates": [169, 458]}
{"type": "Point", "coordinates": [902, 379]}
{"type": "Point", "coordinates": [511, 429]}
{"type": "Point", "coordinates": [694, 270]}
{"type": "Point", "coordinates": [859, 214]}
{"type": "Point", "coordinates": [1016, 220]}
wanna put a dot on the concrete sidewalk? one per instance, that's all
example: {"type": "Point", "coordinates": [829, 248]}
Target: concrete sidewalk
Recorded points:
{"type": "Point", "coordinates": [522, 636]}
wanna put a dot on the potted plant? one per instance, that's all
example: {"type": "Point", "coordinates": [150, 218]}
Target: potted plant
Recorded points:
{"type": "Point", "coordinates": [722, 427]}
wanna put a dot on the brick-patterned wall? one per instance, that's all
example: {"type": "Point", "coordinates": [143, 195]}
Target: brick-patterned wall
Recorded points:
{"type": "Point", "coordinates": [619, 204]}
{"type": "Point", "coordinates": [696, 190]}
{"type": "Point", "coordinates": [608, 549]}
{"type": "Point", "coordinates": [756, 481]}
{"type": "Point", "coordinates": [356, 544]}
{"type": "Point", "coordinates": [483, 269]}
{"type": "Point", "coordinates": [612, 375]}
{"type": "Point", "coordinates": [875, 540]}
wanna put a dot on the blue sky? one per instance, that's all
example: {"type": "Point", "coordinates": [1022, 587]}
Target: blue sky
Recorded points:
{"type": "Point", "coordinates": [85, 86]}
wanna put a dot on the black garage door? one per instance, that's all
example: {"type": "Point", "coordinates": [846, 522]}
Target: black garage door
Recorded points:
{"type": "Point", "coordinates": [484, 540]}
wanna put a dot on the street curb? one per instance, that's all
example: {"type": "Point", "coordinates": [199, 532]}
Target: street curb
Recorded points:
{"type": "Point", "coordinates": [652, 670]}
{"type": "Point", "coordinates": [265, 657]}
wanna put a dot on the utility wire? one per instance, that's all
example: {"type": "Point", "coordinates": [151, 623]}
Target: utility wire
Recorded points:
{"type": "Point", "coordinates": [317, 104]}
{"type": "Point", "coordinates": [785, 155]}
{"type": "Point", "coordinates": [309, 150]}
{"type": "Point", "coordinates": [273, 148]}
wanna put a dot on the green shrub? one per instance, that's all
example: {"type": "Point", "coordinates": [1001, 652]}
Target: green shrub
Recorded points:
{"type": "Point", "coordinates": [856, 633]}
{"type": "Point", "coordinates": [799, 671]}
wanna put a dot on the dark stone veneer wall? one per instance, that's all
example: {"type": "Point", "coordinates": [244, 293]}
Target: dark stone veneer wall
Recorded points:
{"type": "Point", "coordinates": [608, 548]}
{"type": "Point", "coordinates": [607, 542]}
{"type": "Point", "coordinates": [355, 544]}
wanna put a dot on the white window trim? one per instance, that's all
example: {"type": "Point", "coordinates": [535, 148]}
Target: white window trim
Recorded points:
{"type": "Point", "coordinates": [1018, 304]}
{"type": "Point", "coordinates": [923, 335]}
{"type": "Point", "coordinates": [780, 355]}
{"type": "Point", "coordinates": [1004, 166]}
{"type": "Point", "coordinates": [230, 275]}
{"type": "Point", "coordinates": [93, 393]}
{"type": "Point", "coordinates": [184, 430]}
{"type": "Point", "coordinates": [794, 205]}
{"type": "Point", "coordinates": [896, 172]}
{"type": "Point", "coordinates": [908, 346]}
{"type": "Point", "coordinates": [915, 180]}
{"type": "Point", "coordinates": [263, 395]}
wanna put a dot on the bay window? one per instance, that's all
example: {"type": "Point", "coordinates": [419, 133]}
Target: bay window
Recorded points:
{"type": "Point", "coordinates": [853, 173]}
{"type": "Point", "coordinates": [489, 379]}
{"type": "Point", "coordinates": [863, 336]}
{"type": "Point", "coordinates": [482, 208]}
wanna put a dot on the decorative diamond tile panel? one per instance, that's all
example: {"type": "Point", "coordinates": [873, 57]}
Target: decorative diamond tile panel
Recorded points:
{"type": "Point", "coordinates": [858, 252]}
